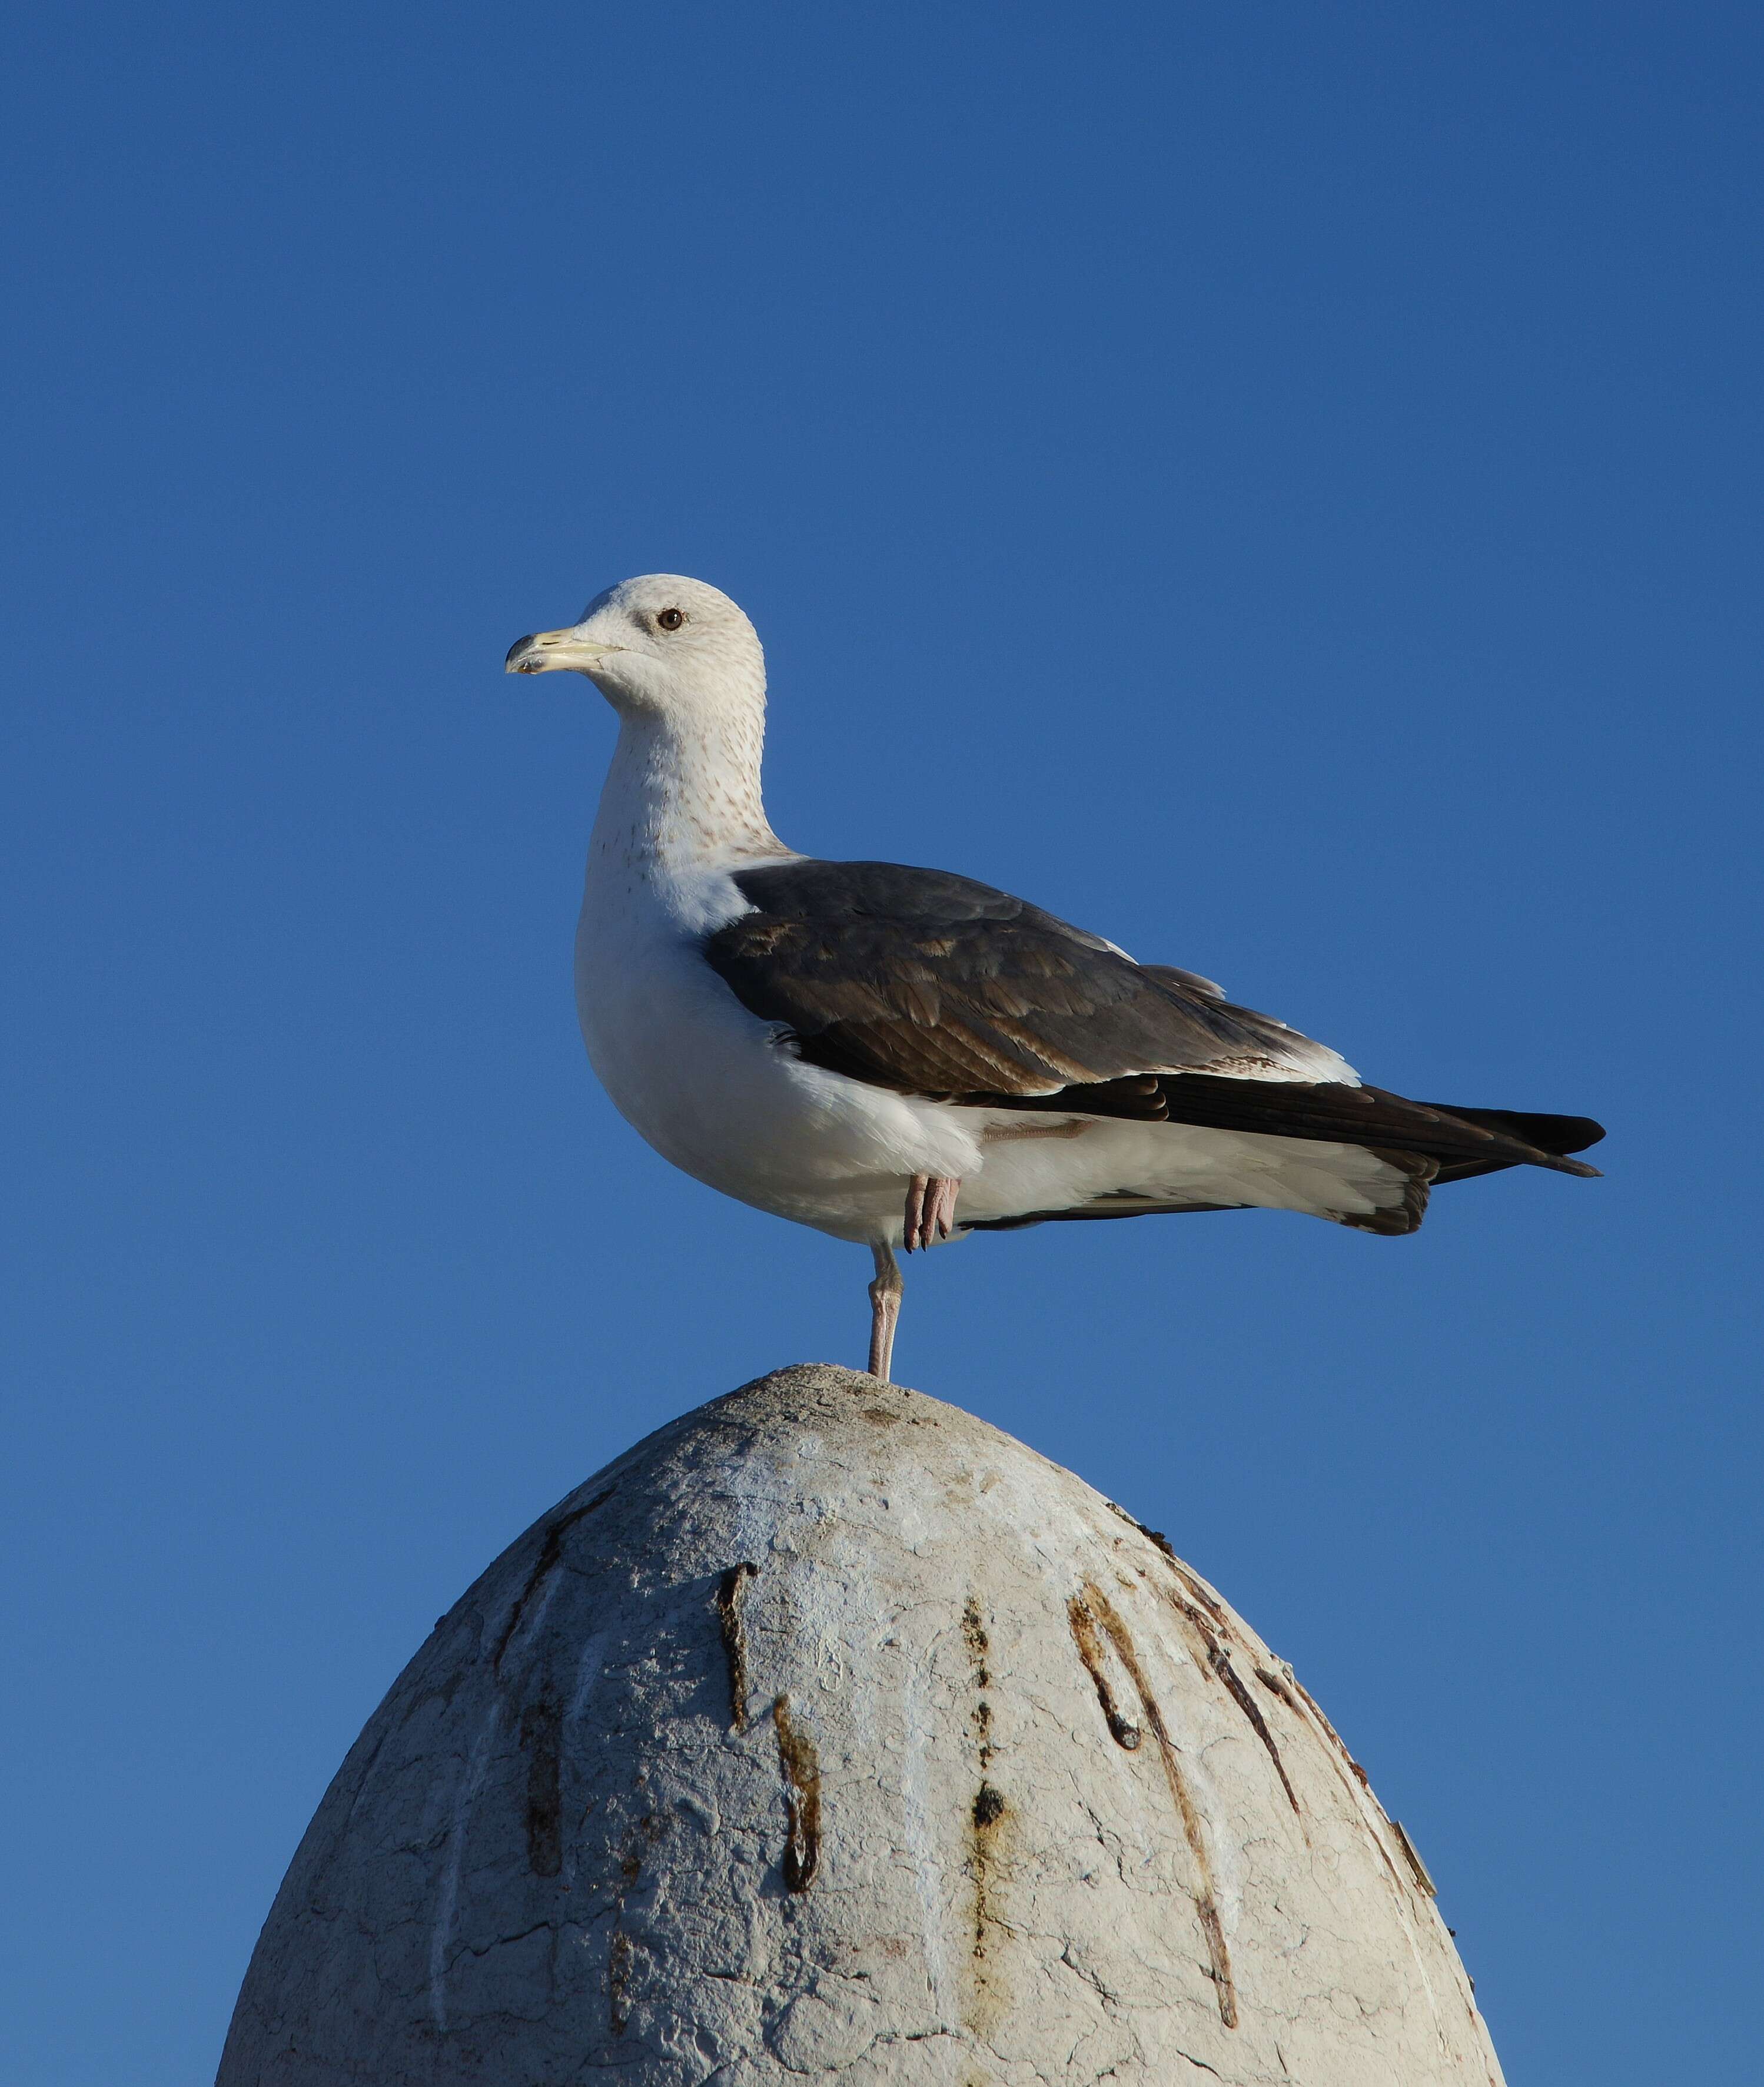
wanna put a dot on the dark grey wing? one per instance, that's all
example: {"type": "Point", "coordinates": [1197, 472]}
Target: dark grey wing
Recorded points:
{"type": "Point", "coordinates": [934, 984]}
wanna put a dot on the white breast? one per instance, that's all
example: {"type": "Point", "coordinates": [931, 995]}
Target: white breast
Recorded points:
{"type": "Point", "coordinates": [710, 1086]}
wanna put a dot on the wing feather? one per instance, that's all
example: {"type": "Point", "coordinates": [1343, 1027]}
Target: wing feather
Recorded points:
{"type": "Point", "coordinates": [933, 984]}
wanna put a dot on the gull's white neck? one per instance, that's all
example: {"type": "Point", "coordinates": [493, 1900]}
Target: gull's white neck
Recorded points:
{"type": "Point", "coordinates": [682, 797]}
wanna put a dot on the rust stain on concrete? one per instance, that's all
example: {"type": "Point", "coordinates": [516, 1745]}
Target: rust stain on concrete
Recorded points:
{"type": "Point", "coordinates": [1099, 1607]}
{"type": "Point", "coordinates": [801, 1766]}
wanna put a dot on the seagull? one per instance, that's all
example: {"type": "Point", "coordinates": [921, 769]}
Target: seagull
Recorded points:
{"type": "Point", "coordinates": [900, 1057]}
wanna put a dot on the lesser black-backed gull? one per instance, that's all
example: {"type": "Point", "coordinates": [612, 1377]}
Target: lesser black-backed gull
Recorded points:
{"type": "Point", "coordinates": [899, 1056]}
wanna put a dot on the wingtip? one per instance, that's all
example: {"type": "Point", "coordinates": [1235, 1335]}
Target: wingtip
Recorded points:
{"type": "Point", "coordinates": [1587, 1133]}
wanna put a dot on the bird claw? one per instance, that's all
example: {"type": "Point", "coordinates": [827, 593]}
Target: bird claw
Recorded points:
{"type": "Point", "coordinates": [931, 1209]}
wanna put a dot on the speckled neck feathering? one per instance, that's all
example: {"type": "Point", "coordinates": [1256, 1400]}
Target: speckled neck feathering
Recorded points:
{"type": "Point", "coordinates": [683, 791]}
{"type": "Point", "coordinates": [900, 1057]}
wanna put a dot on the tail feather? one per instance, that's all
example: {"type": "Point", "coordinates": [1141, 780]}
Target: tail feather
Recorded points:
{"type": "Point", "coordinates": [1551, 1138]}
{"type": "Point", "coordinates": [1462, 1142]}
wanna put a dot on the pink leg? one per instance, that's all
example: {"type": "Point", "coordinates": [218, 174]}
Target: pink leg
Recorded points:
{"type": "Point", "coordinates": [884, 1312]}
{"type": "Point", "coordinates": [916, 1190]}
{"type": "Point", "coordinates": [931, 1209]}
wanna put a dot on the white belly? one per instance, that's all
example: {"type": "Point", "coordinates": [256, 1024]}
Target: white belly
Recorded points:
{"type": "Point", "coordinates": [707, 1084]}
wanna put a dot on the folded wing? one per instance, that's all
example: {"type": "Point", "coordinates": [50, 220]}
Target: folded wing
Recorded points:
{"type": "Point", "coordinates": [933, 984]}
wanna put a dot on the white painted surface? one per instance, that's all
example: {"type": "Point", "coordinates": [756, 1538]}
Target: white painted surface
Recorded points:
{"type": "Point", "coordinates": [550, 1856]}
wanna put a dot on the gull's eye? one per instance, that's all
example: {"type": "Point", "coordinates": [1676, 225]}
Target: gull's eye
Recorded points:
{"type": "Point", "coordinates": [671, 619]}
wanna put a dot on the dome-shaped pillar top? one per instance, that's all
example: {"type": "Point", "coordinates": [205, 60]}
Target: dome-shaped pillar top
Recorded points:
{"type": "Point", "coordinates": [831, 1734]}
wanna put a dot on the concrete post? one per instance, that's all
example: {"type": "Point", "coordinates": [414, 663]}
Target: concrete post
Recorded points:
{"type": "Point", "coordinates": [832, 1735]}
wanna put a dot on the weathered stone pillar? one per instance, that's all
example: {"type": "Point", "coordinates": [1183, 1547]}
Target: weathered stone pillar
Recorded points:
{"type": "Point", "coordinates": [831, 1734]}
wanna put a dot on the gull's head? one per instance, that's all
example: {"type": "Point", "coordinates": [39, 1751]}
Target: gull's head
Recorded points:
{"type": "Point", "coordinates": [660, 644]}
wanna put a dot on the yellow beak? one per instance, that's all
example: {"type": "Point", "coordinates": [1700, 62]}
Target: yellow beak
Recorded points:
{"type": "Point", "coordinates": [549, 651]}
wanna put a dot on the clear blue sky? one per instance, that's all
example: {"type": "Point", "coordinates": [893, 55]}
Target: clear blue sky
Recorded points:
{"type": "Point", "coordinates": [1279, 485]}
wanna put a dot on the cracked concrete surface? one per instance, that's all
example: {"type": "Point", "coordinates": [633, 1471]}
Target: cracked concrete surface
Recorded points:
{"type": "Point", "coordinates": [781, 1752]}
